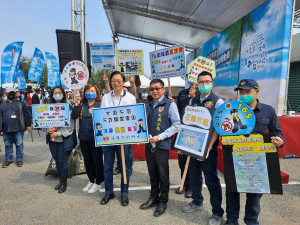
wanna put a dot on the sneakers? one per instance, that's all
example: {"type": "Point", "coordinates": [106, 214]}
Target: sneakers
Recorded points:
{"type": "Point", "coordinates": [87, 187]}
{"type": "Point", "coordinates": [192, 208]}
{"type": "Point", "coordinates": [94, 188]}
{"type": "Point", "coordinates": [6, 164]}
{"type": "Point", "coordinates": [215, 220]}
{"type": "Point", "coordinates": [19, 163]}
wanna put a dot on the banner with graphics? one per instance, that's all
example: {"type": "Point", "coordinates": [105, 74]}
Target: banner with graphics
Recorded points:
{"type": "Point", "coordinates": [130, 61]}
{"type": "Point", "coordinates": [20, 79]}
{"type": "Point", "coordinates": [53, 70]}
{"type": "Point", "coordinates": [198, 65]}
{"type": "Point", "coordinates": [9, 62]}
{"type": "Point", "coordinates": [167, 62]}
{"type": "Point", "coordinates": [102, 56]}
{"type": "Point", "coordinates": [36, 66]}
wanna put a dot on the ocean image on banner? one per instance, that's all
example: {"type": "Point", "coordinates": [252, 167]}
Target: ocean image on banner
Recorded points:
{"type": "Point", "coordinates": [53, 70]}
{"type": "Point", "coordinates": [36, 66]}
{"type": "Point", "coordinates": [9, 62]}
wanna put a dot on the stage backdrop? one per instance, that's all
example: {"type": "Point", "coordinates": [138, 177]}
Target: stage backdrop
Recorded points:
{"type": "Point", "coordinates": [257, 47]}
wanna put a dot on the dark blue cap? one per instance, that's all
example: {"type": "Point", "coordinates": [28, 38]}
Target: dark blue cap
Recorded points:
{"type": "Point", "coordinates": [247, 84]}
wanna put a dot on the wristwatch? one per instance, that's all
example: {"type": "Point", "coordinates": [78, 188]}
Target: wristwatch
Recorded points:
{"type": "Point", "coordinates": [158, 138]}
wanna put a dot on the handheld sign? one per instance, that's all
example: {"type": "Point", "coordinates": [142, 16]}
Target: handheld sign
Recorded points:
{"type": "Point", "coordinates": [50, 115]}
{"type": "Point", "coordinates": [198, 65]}
{"type": "Point", "coordinates": [130, 61]}
{"type": "Point", "coordinates": [75, 75]}
{"type": "Point", "coordinates": [233, 118]}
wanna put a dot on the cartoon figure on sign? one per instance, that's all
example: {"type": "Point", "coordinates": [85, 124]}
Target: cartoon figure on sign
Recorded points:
{"type": "Point", "coordinates": [181, 64]}
{"type": "Point", "coordinates": [99, 129]}
{"type": "Point", "coordinates": [72, 75]}
{"type": "Point", "coordinates": [36, 123]}
{"type": "Point", "coordinates": [141, 126]}
{"type": "Point", "coordinates": [153, 69]}
{"type": "Point", "coordinates": [236, 120]}
{"type": "Point", "coordinates": [122, 67]}
{"type": "Point", "coordinates": [66, 122]}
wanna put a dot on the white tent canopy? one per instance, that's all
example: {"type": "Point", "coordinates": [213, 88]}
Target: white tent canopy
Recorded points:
{"type": "Point", "coordinates": [145, 82]}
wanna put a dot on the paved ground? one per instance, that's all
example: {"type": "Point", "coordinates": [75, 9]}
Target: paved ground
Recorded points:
{"type": "Point", "coordinates": [28, 197]}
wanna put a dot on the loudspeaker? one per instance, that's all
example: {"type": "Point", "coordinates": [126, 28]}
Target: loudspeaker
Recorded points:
{"type": "Point", "coordinates": [69, 47]}
{"type": "Point", "coordinates": [88, 58]}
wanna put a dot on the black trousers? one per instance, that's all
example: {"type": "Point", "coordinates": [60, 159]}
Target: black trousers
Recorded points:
{"type": "Point", "coordinates": [181, 163]}
{"type": "Point", "coordinates": [158, 169]}
{"type": "Point", "coordinates": [93, 161]}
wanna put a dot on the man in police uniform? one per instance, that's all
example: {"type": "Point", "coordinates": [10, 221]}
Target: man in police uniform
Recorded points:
{"type": "Point", "coordinates": [265, 118]}
{"type": "Point", "coordinates": [206, 98]}
{"type": "Point", "coordinates": [163, 121]}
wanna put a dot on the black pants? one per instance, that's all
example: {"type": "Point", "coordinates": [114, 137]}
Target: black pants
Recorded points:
{"type": "Point", "coordinates": [181, 163]}
{"type": "Point", "coordinates": [158, 168]}
{"type": "Point", "coordinates": [93, 161]}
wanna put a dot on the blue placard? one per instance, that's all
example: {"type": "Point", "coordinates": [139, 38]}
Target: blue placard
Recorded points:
{"type": "Point", "coordinates": [50, 115]}
{"type": "Point", "coordinates": [120, 125]}
{"type": "Point", "coordinates": [234, 118]}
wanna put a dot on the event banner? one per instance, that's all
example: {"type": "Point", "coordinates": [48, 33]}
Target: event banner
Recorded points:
{"type": "Point", "coordinates": [251, 164]}
{"type": "Point", "coordinates": [75, 75]}
{"type": "Point", "coordinates": [120, 125]}
{"type": "Point", "coordinates": [9, 60]}
{"type": "Point", "coordinates": [167, 62]}
{"type": "Point", "coordinates": [36, 66]}
{"type": "Point", "coordinates": [53, 70]}
{"type": "Point", "coordinates": [102, 56]}
{"type": "Point", "coordinates": [233, 118]}
{"type": "Point", "coordinates": [130, 61]}
{"type": "Point", "coordinates": [20, 79]}
{"type": "Point", "coordinates": [195, 133]}
{"type": "Point", "coordinates": [198, 65]}
{"type": "Point", "coordinates": [50, 115]}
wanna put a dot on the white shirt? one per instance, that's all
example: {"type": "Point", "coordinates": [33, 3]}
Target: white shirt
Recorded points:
{"type": "Point", "coordinates": [110, 100]}
{"type": "Point", "coordinates": [144, 95]}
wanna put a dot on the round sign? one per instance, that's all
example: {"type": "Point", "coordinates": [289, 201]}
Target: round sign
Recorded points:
{"type": "Point", "coordinates": [234, 118]}
{"type": "Point", "coordinates": [75, 75]}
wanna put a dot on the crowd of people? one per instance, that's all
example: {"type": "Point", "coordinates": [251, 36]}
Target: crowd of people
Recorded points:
{"type": "Point", "coordinates": [163, 119]}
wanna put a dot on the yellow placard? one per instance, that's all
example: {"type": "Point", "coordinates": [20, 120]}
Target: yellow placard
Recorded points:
{"type": "Point", "coordinates": [198, 65]}
{"type": "Point", "coordinates": [253, 138]}
{"type": "Point", "coordinates": [254, 148]}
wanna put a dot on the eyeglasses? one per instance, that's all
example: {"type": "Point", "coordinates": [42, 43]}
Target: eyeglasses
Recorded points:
{"type": "Point", "coordinates": [205, 82]}
{"type": "Point", "coordinates": [155, 89]}
{"type": "Point", "coordinates": [117, 81]}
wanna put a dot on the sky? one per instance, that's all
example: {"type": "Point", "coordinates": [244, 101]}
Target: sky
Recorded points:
{"type": "Point", "coordinates": [35, 22]}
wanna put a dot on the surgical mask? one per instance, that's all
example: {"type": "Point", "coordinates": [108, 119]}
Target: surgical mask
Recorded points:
{"type": "Point", "coordinates": [248, 99]}
{"type": "Point", "coordinates": [11, 96]}
{"type": "Point", "coordinates": [204, 88]}
{"type": "Point", "coordinates": [58, 97]}
{"type": "Point", "coordinates": [90, 96]}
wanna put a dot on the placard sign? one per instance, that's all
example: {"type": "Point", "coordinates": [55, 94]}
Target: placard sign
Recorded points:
{"type": "Point", "coordinates": [130, 61]}
{"type": "Point", "coordinates": [233, 118]}
{"type": "Point", "coordinates": [50, 115]}
{"type": "Point", "coordinates": [198, 65]}
{"type": "Point", "coordinates": [120, 125]}
{"type": "Point", "coordinates": [193, 140]}
{"type": "Point", "coordinates": [251, 164]}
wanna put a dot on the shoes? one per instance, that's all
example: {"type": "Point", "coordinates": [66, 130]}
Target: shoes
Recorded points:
{"type": "Point", "coordinates": [106, 198]}
{"type": "Point", "coordinates": [149, 204]}
{"type": "Point", "coordinates": [124, 200]}
{"type": "Point", "coordinates": [87, 187]}
{"type": "Point", "coordinates": [232, 223]}
{"type": "Point", "coordinates": [63, 186]}
{"type": "Point", "coordinates": [192, 208]}
{"type": "Point", "coordinates": [188, 193]}
{"type": "Point", "coordinates": [117, 170]}
{"type": "Point", "coordinates": [59, 185]}
{"type": "Point", "coordinates": [19, 163]}
{"type": "Point", "coordinates": [94, 188]}
{"type": "Point", "coordinates": [215, 220]}
{"type": "Point", "coordinates": [161, 208]}
{"type": "Point", "coordinates": [6, 164]}
{"type": "Point", "coordinates": [179, 192]}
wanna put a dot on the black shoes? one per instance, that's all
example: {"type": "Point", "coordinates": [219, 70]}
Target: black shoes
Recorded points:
{"type": "Point", "coordinates": [63, 186]}
{"type": "Point", "coordinates": [188, 193]}
{"type": "Point", "coordinates": [149, 204]}
{"type": "Point", "coordinates": [19, 163]}
{"type": "Point", "coordinates": [161, 208]}
{"type": "Point", "coordinates": [180, 192]}
{"type": "Point", "coordinates": [106, 198]}
{"type": "Point", "coordinates": [59, 185]}
{"type": "Point", "coordinates": [117, 170]}
{"type": "Point", "coordinates": [6, 164]}
{"type": "Point", "coordinates": [124, 200]}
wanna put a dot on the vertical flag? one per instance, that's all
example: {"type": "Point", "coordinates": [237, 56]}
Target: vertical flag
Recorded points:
{"type": "Point", "coordinates": [20, 79]}
{"type": "Point", "coordinates": [53, 70]}
{"type": "Point", "coordinates": [36, 66]}
{"type": "Point", "coordinates": [10, 58]}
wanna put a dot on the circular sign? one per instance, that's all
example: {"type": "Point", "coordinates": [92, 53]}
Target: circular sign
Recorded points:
{"type": "Point", "coordinates": [234, 118]}
{"type": "Point", "coordinates": [75, 75]}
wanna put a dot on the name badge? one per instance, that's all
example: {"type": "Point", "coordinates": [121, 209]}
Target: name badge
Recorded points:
{"type": "Point", "coordinates": [13, 116]}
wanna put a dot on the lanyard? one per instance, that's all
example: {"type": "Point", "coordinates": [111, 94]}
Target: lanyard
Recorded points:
{"type": "Point", "coordinates": [112, 95]}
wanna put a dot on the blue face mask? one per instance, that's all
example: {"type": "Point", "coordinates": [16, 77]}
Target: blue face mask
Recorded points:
{"type": "Point", "coordinates": [58, 97]}
{"type": "Point", "coordinates": [204, 88]}
{"type": "Point", "coordinates": [90, 96]}
{"type": "Point", "coordinates": [248, 99]}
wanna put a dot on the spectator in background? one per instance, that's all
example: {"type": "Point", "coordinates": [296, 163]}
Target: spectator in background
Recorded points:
{"type": "Point", "coordinates": [145, 95]}
{"type": "Point", "coordinates": [35, 96]}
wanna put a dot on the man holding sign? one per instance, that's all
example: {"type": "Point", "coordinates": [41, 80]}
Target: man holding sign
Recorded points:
{"type": "Point", "coordinates": [266, 119]}
{"type": "Point", "coordinates": [117, 97]}
{"type": "Point", "coordinates": [206, 98]}
{"type": "Point", "coordinates": [163, 121]}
